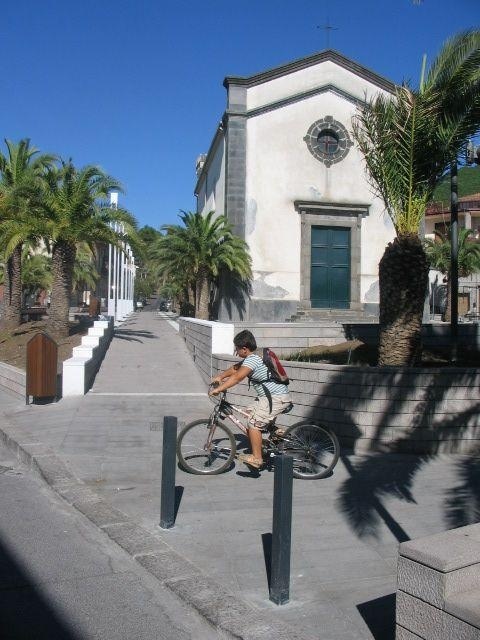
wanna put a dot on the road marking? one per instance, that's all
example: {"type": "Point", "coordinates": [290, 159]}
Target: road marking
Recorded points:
{"type": "Point", "coordinates": [117, 393]}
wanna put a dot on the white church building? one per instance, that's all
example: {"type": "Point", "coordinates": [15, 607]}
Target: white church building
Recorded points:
{"type": "Point", "coordinates": [284, 169]}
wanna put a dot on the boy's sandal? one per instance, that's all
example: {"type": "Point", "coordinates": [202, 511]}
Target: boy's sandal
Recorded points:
{"type": "Point", "coordinates": [248, 459]}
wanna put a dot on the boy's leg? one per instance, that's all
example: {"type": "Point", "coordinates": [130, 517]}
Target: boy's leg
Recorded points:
{"type": "Point", "coordinates": [255, 437]}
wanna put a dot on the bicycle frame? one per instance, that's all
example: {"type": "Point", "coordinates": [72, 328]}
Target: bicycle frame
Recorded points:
{"type": "Point", "coordinates": [225, 409]}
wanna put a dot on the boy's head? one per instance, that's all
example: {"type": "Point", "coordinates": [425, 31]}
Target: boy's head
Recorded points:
{"type": "Point", "coordinates": [245, 339]}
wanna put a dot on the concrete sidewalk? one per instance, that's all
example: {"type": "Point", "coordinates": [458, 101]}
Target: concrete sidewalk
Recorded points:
{"type": "Point", "coordinates": [102, 453]}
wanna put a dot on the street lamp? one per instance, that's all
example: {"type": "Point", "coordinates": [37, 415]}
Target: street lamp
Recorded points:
{"type": "Point", "coordinates": [472, 157]}
{"type": "Point", "coordinates": [454, 261]}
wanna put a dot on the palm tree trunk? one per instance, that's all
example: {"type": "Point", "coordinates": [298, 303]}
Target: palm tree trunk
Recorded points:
{"type": "Point", "coordinates": [13, 290]}
{"type": "Point", "coordinates": [63, 259]}
{"type": "Point", "coordinates": [202, 297]}
{"type": "Point", "coordinates": [403, 272]}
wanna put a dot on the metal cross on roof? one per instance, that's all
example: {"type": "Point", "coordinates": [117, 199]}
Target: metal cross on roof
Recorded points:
{"type": "Point", "coordinates": [327, 28]}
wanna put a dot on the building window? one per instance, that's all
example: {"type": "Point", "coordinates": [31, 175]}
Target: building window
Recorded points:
{"type": "Point", "coordinates": [328, 140]}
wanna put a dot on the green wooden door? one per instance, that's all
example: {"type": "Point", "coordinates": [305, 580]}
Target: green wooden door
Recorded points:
{"type": "Point", "coordinates": [330, 268]}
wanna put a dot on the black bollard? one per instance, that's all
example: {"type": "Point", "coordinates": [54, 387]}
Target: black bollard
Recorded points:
{"type": "Point", "coordinates": [281, 530]}
{"type": "Point", "coordinates": [169, 462]}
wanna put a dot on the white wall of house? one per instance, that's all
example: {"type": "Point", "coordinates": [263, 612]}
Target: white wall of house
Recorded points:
{"type": "Point", "coordinates": [211, 194]}
{"type": "Point", "coordinates": [281, 170]}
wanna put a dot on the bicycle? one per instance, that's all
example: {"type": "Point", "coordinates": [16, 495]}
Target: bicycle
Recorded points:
{"type": "Point", "coordinates": [208, 446]}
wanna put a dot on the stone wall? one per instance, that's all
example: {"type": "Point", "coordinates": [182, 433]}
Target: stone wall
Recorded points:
{"type": "Point", "coordinates": [433, 334]}
{"type": "Point", "coordinates": [439, 586]}
{"type": "Point", "coordinates": [13, 379]}
{"type": "Point", "coordinates": [389, 409]}
{"type": "Point", "coordinates": [287, 338]}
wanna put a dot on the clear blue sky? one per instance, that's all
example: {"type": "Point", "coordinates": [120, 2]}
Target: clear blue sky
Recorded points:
{"type": "Point", "coordinates": [135, 86]}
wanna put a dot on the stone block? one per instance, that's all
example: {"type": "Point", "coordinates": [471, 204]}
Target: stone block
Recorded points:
{"type": "Point", "coordinates": [134, 539]}
{"type": "Point", "coordinates": [404, 634]}
{"type": "Point", "coordinates": [446, 551]}
{"type": "Point", "coordinates": [214, 603]}
{"type": "Point", "coordinates": [466, 607]}
{"type": "Point", "coordinates": [421, 618]}
{"type": "Point", "coordinates": [433, 586]}
{"type": "Point", "coordinates": [52, 469]}
{"type": "Point", "coordinates": [167, 565]}
{"type": "Point", "coordinates": [100, 512]}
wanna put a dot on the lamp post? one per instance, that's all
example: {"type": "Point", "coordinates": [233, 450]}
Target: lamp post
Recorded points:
{"type": "Point", "coordinates": [472, 157]}
{"type": "Point", "coordinates": [454, 261]}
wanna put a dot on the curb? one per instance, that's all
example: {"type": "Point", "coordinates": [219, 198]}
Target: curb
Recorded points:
{"type": "Point", "coordinates": [222, 609]}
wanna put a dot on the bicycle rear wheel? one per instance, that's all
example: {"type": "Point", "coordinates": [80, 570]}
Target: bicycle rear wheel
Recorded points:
{"type": "Point", "coordinates": [314, 449]}
{"type": "Point", "coordinates": [203, 451]}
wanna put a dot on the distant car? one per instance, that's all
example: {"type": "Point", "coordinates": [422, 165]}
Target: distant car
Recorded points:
{"type": "Point", "coordinates": [139, 304]}
{"type": "Point", "coordinates": [166, 305]}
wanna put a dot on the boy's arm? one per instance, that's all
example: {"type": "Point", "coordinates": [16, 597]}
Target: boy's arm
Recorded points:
{"type": "Point", "coordinates": [225, 374]}
{"type": "Point", "coordinates": [236, 376]}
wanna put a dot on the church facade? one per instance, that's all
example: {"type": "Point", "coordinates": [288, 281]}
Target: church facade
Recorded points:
{"type": "Point", "coordinates": [284, 168]}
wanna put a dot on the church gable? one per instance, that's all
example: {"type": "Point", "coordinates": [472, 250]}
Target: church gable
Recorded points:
{"type": "Point", "coordinates": [327, 71]}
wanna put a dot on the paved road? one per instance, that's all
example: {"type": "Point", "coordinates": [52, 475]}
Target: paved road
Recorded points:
{"type": "Point", "coordinates": [346, 528]}
{"type": "Point", "coordinates": [62, 579]}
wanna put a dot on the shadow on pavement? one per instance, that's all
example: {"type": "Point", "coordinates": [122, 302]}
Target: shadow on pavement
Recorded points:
{"type": "Point", "coordinates": [24, 612]}
{"type": "Point", "coordinates": [359, 496]}
{"type": "Point", "coordinates": [267, 554]}
{"type": "Point", "coordinates": [462, 502]}
{"type": "Point", "coordinates": [379, 615]}
{"type": "Point", "coordinates": [390, 469]}
{"type": "Point", "coordinates": [178, 499]}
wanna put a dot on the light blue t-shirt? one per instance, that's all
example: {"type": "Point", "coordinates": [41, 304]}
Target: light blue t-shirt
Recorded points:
{"type": "Point", "coordinates": [260, 372]}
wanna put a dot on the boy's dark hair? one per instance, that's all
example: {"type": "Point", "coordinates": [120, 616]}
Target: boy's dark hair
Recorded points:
{"type": "Point", "coordinates": [245, 339]}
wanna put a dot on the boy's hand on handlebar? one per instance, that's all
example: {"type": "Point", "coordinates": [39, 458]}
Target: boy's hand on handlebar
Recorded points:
{"type": "Point", "coordinates": [213, 392]}
{"type": "Point", "coordinates": [213, 389]}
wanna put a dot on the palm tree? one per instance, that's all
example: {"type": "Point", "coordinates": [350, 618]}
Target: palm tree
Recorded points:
{"type": "Point", "coordinates": [439, 253]}
{"type": "Point", "coordinates": [76, 210]}
{"type": "Point", "coordinates": [198, 252]}
{"type": "Point", "coordinates": [408, 141]}
{"type": "Point", "coordinates": [21, 173]}
{"type": "Point", "coordinates": [84, 272]}
{"type": "Point", "coordinates": [36, 272]}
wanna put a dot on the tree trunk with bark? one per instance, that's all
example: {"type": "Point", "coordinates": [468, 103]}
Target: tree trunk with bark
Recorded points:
{"type": "Point", "coordinates": [63, 259]}
{"type": "Point", "coordinates": [403, 272]}
{"type": "Point", "coordinates": [12, 317]}
{"type": "Point", "coordinates": [202, 297]}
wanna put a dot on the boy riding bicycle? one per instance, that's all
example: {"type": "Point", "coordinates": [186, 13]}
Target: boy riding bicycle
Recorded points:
{"type": "Point", "coordinates": [272, 397]}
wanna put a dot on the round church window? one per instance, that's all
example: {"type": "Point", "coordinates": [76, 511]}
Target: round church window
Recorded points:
{"type": "Point", "coordinates": [328, 140]}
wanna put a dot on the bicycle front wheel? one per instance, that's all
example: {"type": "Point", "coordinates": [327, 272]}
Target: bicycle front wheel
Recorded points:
{"type": "Point", "coordinates": [205, 449]}
{"type": "Point", "coordinates": [314, 450]}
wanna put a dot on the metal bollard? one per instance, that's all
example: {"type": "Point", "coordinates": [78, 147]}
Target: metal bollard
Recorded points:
{"type": "Point", "coordinates": [169, 461]}
{"type": "Point", "coordinates": [281, 530]}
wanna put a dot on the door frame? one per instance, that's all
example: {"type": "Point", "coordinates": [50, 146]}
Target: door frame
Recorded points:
{"type": "Point", "coordinates": [326, 214]}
